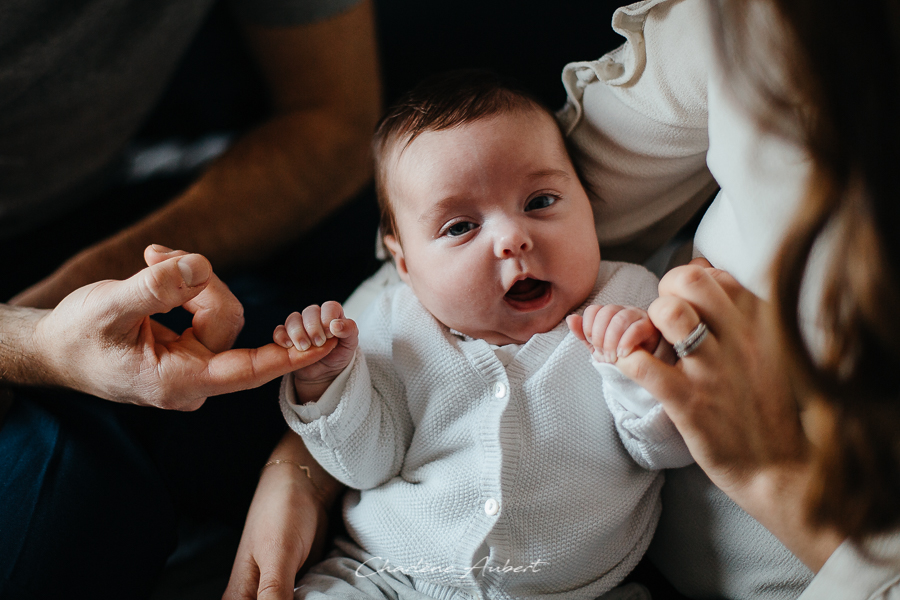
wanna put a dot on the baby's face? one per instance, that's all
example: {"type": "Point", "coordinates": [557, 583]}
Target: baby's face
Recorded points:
{"type": "Point", "coordinates": [498, 238]}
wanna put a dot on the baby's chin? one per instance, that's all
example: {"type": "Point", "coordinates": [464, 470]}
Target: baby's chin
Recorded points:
{"type": "Point", "coordinates": [522, 333]}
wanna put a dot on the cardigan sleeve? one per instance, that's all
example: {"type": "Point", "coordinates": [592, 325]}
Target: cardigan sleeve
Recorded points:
{"type": "Point", "coordinates": [643, 426]}
{"type": "Point", "coordinates": [637, 123]}
{"type": "Point", "coordinates": [362, 430]}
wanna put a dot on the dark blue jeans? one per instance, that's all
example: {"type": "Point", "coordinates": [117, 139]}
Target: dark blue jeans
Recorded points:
{"type": "Point", "coordinates": [91, 491]}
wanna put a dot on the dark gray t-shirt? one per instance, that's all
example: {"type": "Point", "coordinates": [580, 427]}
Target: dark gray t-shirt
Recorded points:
{"type": "Point", "coordinates": [78, 77]}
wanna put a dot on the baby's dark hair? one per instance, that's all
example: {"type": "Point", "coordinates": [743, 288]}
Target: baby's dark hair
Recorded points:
{"type": "Point", "coordinates": [442, 102]}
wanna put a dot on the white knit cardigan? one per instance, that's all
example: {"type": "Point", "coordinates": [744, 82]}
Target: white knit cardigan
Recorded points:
{"type": "Point", "coordinates": [453, 450]}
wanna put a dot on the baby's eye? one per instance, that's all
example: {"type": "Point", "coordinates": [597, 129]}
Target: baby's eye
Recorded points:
{"type": "Point", "coordinates": [539, 202]}
{"type": "Point", "coordinates": [460, 228]}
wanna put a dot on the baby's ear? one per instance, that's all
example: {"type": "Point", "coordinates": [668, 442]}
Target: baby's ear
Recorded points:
{"type": "Point", "coordinates": [396, 250]}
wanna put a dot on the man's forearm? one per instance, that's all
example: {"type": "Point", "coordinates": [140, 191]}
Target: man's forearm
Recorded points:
{"type": "Point", "coordinates": [280, 179]}
{"type": "Point", "coordinates": [20, 363]}
{"type": "Point", "coordinates": [275, 184]}
{"type": "Point", "coordinates": [284, 177]}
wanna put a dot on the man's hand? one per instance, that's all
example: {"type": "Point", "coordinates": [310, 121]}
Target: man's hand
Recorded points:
{"type": "Point", "coordinates": [101, 340]}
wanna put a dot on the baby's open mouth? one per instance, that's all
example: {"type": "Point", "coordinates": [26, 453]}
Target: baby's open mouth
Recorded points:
{"type": "Point", "coordinates": [529, 294]}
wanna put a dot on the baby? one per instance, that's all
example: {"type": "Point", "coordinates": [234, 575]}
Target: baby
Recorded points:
{"type": "Point", "coordinates": [489, 456]}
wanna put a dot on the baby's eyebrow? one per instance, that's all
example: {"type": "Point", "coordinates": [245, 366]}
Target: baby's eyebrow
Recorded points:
{"type": "Point", "coordinates": [542, 173]}
{"type": "Point", "coordinates": [450, 203]}
{"type": "Point", "coordinates": [439, 207]}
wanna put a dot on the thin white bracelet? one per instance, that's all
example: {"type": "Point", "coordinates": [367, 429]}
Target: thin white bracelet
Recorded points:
{"type": "Point", "coordinates": [304, 468]}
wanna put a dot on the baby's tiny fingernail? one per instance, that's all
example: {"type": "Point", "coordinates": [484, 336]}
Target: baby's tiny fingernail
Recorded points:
{"type": "Point", "coordinates": [337, 326]}
{"type": "Point", "coordinates": [318, 340]}
{"type": "Point", "coordinates": [304, 345]}
{"type": "Point", "coordinates": [622, 352]}
{"type": "Point", "coordinates": [287, 344]}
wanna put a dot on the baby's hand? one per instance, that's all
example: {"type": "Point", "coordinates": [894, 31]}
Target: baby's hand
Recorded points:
{"type": "Point", "coordinates": [614, 331]}
{"type": "Point", "coordinates": [313, 327]}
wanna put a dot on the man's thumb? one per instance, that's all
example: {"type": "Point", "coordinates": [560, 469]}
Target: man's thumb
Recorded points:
{"type": "Point", "coordinates": [163, 286]}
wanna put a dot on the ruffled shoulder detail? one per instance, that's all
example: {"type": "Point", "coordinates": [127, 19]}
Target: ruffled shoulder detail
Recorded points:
{"type": "Point", "coordinates": [618, 67]}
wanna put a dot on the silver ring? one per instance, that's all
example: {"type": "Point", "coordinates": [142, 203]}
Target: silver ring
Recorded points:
{"type": "Point", "coordinates": [693, 340]}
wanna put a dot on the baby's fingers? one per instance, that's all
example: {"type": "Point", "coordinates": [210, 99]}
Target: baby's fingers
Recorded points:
{"type": "Point", "coordinates": [312, 323]}
{"type": "Point", "coordinates": [346, 331]}
{"type": "Point", "coordinates": [576, 325]}
{"type": "Point", "coordinates": [344, 328]}
{"type": "Point", "coordinates": [295, 331]}
{"type": "Point", "coordinates": [281, 337]}
{"type": "Point", "coordinates": [640, 334]}
{"type": "Point", "coordinates": [331, 311]}
{"type": "Point", "coordinates": [606, 330]}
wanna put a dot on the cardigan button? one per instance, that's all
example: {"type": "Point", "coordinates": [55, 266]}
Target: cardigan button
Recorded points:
{"type": "Point", "coordinates": [500, 390]}
{"type": "Point", "coordinates": [491, 507]}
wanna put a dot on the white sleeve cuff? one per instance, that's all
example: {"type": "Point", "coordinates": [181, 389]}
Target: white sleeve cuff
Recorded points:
{"type": "Point", "coordinates": [871, 573]}
{"type": "Point", "coordinates": [325, 405]}
{"type": "Point", "coordinates": [643, 426]}
{"type": "Point", "coordinates": [630, 395]}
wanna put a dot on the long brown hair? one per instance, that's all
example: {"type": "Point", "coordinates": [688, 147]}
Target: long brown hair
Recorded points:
{"type": "Point", "coordinates": [838, 95]}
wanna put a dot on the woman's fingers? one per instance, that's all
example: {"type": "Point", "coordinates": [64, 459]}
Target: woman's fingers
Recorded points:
{"type": "Point", "coordinates": [676, 319]}
{"type": "Point", "coordinates": [704, 292]}
{"type": "Point", "coordinates": [728, 283]}
{"type": "Point", "coordinates": [666, 382]}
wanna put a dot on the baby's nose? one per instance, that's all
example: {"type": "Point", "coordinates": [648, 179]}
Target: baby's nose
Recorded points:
{"type": "Point", "coordinates": [512, 241]}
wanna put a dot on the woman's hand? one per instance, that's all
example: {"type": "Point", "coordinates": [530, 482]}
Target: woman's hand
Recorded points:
{"type": "Point", "coordinates": [278, 536]}
{"type": "Point", "coordinates": [732, 401]}
{"type": "Point", "coordinates": [285, 526]}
